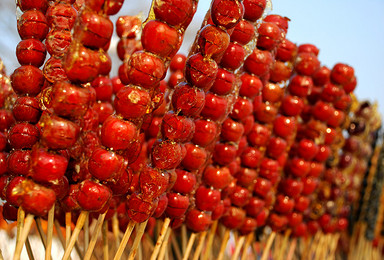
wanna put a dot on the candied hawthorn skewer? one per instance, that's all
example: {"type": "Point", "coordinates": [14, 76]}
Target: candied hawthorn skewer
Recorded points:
{"type": "Point", "coordinates": [144, 71]}
{"type": "Point", "coordinates": [200, 73]}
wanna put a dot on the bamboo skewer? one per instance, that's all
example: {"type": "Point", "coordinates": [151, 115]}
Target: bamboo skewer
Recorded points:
{"type": "Point", "coordinates": [164, 247]}
{"type": "Point", "coordinates": [79, 225]}
{"type": "Point", "coordinates": [124, 241]}
{"type": "Point", "coordinates": [292, 248]}
{"type": "Point", "coordinates": [200, 244]}
{"type": "Point", "coordinates": [105, 241]}
{"type": "Point", "coordinates": [160, 239]}
{"type": "Point", "coordinates": [139, 234]}
{"type": "Point", "coordinates": [29, 249]}
{"type": "Point", "coordinates": [41, 232]}
{"type": "Point", "coordinates": [86, 233]}
{"type": "Point", "coordinates": [20, 222]}
{"type": "Point", "coordinates": [208, 249]}
{"type": "Point", "coordinates": [184, 238]}
{"type": "Point", "coordinates": [59, 233]}
{"type": "Point", "coordinates": [48, 249]}
{"type": "Point", "coordinates": [176, 248]}
{"type": "Point", "coordinates": [23, 236]}
{"type": "Point", "coordinates": [68, 222]}
{"type": "Point", "coordinates": [284, 244]}
{"type": "Point", "coordinates": [223, 245]}
{"type": "Point", "coordinates": [239, 245]}
{"type": "Point", "coordinates": [268, 246]}
{"type": "Point", "coordinates": [313, 245]}
{"type": "Point", "coordinates": [95, 235]}
{"type": "Point", "coordinates": [248, 242]}
{"type": "Point", "coordinates": [115, 230]}
{"type": "Point", "coordinates": [189, 246]}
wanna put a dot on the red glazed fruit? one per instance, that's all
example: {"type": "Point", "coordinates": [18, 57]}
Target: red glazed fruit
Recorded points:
{"type": "Point", "coordinates": [132, 103]}
{"type": "Point", "coordinates": [106, 165]}
{"type": "Point", "coordinates": [200, 72]}
{"type": "Point", "coordinates": [195, 157]}
{"type": "Point", "coordinates": [47, 166]}
{"type": "Point", "coordinates": [153, 183]}
{"type": "Point", "coordinates": [161, 39]}
{"type": "Point", "coordinates": [38, 200]}
{"type": "Point", "coordinates": [227, 13]}
{"type": "Point", "coordinates": [207, 199]}
{"type": "Point", "coordinates": [188, 100]}
{"type": "Point", "coordinates": [212, 42]}
{"type": "Point", "coordinates": [198, 221]}
{"type": "Point", "coordinates": [32, 24]}
{"type": "Point", "coordinates": [26, 109]}
{"type": "Point", "coordinates": [27, 80]}
{"type": "Point", "coordinates": [175, 12]}
{"type": "Point", "coordinates": [185, 182]}
{"type": "Point", "coordinates": [205, 132]}
{"type": "Point", "coordinates": [166, 155]}
{"type": "Point", "coordinates": [217, 177]}
{"type": "Point", "coordinates": [31, 52]}
{"type": "Point", "coordinates": [223, 83]}
{"type": "Point", "coordinates": [123, 131]}
{"type": "Point", "coordinates": [93, 196]}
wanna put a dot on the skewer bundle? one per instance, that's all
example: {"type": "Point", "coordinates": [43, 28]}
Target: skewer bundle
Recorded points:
{"type": "Point", "coordinates": [243, 148]}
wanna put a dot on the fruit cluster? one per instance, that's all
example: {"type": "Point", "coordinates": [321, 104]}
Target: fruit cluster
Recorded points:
{"type": "Point", "coordinates": [248, 130]}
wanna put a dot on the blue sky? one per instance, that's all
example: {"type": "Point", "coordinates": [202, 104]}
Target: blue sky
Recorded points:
{"type": "Point", "coordinates": [348, 31]}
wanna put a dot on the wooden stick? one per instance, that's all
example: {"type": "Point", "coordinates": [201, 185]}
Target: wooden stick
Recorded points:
{"type": "Point", "coordinates": [268, 245]}
{"type": "Point", "coordinates": [68, 223]}
{"type": "Point", "coordinates": [95, 235]}
{"type": "Point", "coordinates": [29, 249]}
{"type": "Point", "coordinates": [59, 233]}
{"type": "Point", "coordinates": [116, 230]}
{"type": "Point", "coordinates": [200, 244]}
{"type": "Point", "coordinates": [1, 255]}
{"type": "Point", "coordinates": [189, 246]}
{"type": "Point", "coordinates": [313, 245]}
{"type": "Point", "coordinates": [223, 245]}
{"type": "Point", "coordinates": [86, 233]}
{"type": "Point", "coordinates": [208, 248]}
{"type": "Point", "coordinates": [292, 248]}
{"type": "Point", "coordinates": [164, 246]}
{"type": "Point", "coordinates": [184, 238]}
{"type": "Point", "coordinates": [160, 238]}
{"type": "Point", "coordinates": [284, 244]}
{"type": "Point", "coordinates": [79, 225]}
{"type": "Point", "coordinates": [41, 232]}
{"type": "Point", "coordinates": [105, 241]}
{"type": "Point", "coordinates": [124, 241]}
{"type": "Point", "coordinates": [334, 246]}
{"type": "Point", "coordinates": [248, 242]}
{"type": "Point", "coordinates": [23, 236]}
{"type": "Point", "coordinates": [20, 223]}
{"type": "Point", "coordinates": [48, 249]}
{"type": "Point", "coordinates": [238, 247]}
{"type": "Point", "coordinates": [140, 250]}
{"type": "Point", "coordinates": [176, 248]}
{"type": "Point", "coordinates": [139, 234]}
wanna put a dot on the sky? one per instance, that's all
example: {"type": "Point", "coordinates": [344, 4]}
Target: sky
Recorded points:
{"type": "Point", "coordinates": [347, 31]}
